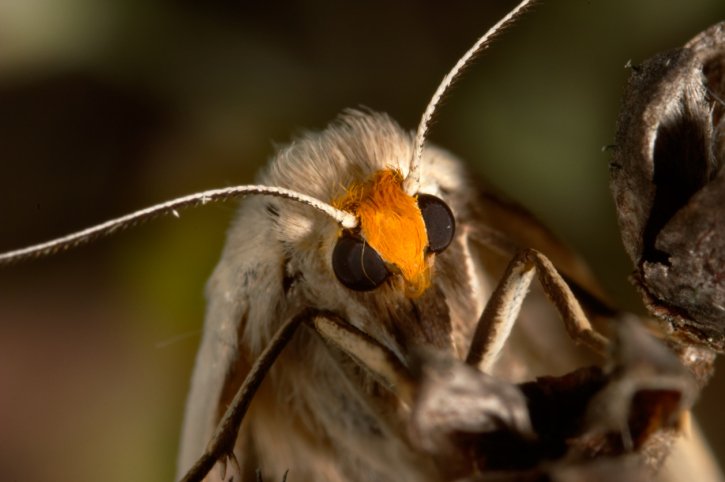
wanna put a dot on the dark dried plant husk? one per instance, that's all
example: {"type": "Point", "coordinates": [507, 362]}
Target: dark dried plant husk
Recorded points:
{"type": "Point", "coordinates": [592, 424]}
{"type": "Point", "coordinates": [668, 182]}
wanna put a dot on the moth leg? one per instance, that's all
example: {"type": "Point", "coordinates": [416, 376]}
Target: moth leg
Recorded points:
{"type": "Point", "coordinates": [368, 353]}
{"type": "Point", "coordinates": [503, 308]}
{"type": "Point", "coordinates": [221, 447]}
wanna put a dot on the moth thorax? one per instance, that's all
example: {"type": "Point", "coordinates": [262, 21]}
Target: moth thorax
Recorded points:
{"type": "Point", "coordinates": [392, 224]}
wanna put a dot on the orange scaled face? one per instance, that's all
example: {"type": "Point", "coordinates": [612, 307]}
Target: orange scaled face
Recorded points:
{"type": "Point", "coordinates": [392, 224]}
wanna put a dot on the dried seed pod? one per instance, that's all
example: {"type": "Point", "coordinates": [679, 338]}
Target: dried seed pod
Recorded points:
{"type": "Point", "coordinates": [668, 183]}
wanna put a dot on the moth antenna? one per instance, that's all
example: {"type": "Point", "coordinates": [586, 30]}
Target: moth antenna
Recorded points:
{"type": "Point", "coordinates": [412, 181]}
{"type": "Point", "coordinates": [345, 219]}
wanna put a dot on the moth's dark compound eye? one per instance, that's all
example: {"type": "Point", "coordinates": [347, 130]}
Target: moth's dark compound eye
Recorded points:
{"type": "Point", "coordinates": [439, 222]}
{"type": "Point", "coordinates": [357, 265]}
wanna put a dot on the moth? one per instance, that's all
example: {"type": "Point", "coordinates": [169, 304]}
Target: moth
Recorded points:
{"type": "Point", "coordinates": [379, 302]}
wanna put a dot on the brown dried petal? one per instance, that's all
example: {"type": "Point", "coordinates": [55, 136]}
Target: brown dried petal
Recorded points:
{"type": "Point", "coordinates": [590, 424]}
{"type": "Point", "coordinates": [668, 182]}
{"type": "Point", "coordinates": [648, 391]}
{"type": "Point", "coordinates": [454, 399]}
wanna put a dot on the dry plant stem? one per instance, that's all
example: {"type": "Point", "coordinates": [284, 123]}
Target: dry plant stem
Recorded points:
{"type": "Point", "coordinates": [225, 435]}
{"type": "Point", "coordinates": [505, 303]}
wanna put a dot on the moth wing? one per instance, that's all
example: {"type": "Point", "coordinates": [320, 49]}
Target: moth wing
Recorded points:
{"type": "Point", "coordinates": [242, 293]}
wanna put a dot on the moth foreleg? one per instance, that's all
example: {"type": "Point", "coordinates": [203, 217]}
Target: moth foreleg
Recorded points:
{"type": "Point", "coordinates": [371, 355]}
{"type": "Point", "coordinates": [504, 305]}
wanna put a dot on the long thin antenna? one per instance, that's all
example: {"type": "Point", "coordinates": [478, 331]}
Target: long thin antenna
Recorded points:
{"type": "Point", "coordinates": [88, 235]}
{"type": "Point", "coordinates": [412, 181]}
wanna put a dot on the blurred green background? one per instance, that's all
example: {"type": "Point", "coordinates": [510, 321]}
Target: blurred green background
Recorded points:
{"type": "Point", "coordinates": [106, 107]}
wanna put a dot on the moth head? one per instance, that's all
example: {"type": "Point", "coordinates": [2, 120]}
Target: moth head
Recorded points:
{"type": "Point", "coordinates": [398, 235]}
